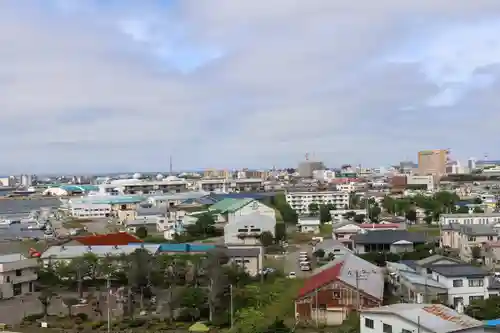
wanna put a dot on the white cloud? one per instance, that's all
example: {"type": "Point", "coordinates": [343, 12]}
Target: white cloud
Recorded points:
{"type": "Point", "coordinates": [233, 83]}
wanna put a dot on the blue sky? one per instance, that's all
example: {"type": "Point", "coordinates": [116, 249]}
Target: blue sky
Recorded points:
{"type": "Point", "coordinates": [102, 85]}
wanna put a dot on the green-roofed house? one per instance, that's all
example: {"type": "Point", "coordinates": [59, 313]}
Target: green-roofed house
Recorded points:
{"type": "Point", "coordinates": [229, 209]}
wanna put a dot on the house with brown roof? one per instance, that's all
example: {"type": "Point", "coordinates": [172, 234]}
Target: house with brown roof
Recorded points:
{"type": "Point", "coordinates": [119, 238]}
{"type": "Point", "coordinates": [334, 290]}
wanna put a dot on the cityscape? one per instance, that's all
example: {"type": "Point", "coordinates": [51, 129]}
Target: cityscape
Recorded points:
{"type": "Point", "coordinates": [221, 166]}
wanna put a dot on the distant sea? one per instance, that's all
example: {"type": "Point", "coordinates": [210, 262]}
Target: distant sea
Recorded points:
{"type": "Point", "coordinates": [12, 207]}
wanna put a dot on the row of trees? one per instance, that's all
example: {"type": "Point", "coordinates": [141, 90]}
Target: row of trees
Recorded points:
{"type": "Point", "coordinates": [182, 287]}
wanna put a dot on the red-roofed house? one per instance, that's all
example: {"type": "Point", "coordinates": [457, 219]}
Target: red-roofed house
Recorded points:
{"type": "Point", "coordinates": [332, 292]}
{"type": "Point", "coordinates": [119, 238]}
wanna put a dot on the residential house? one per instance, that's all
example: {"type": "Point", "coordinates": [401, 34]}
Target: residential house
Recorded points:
{"type": "Point", "coordinates": [395, 241]}
{"type": "Point", "coordinates": [420, 318]}
{"type": "Point", "coordinates": [491, 254]}
{"type": "Point", "coordinates": [339, 215]}
{"type": "Point", "coordinates": [246, 229]}
{"type": "Point", "coordinates": [17, 275]}
{"type": "Point", "coordinates": [309, 224]}
{"type": "Point", "coordinates": [465, 237]}
{"type": "Point", "coordinates": [345, 230]}
{"type": "Point", "coordinates": [250, 258]}
{"type": "Point", "coordinates": [118, 238]}
{"type": "Point", "coordinates": [335, 289]}
{"type": "Point", "coordinates": [332, 247]}
{"type": "Point", "coordinates": [471, 218]}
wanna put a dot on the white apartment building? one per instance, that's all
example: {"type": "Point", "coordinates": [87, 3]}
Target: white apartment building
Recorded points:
{"type": "Point", "coordinates": [225, 185]}
{"type": "Point", "coordinates": [347, 187]}
{"type": "Point", "coordinates": [17, 275]}
{"type": "Point", "coordinates": [300, 201]}
{"type": "Point", "coordinates": [338, 214]}
{"type": "Point", "coordinates": [472, 218]}
{"type": "Point", "coordinates": [428, 181]}
{"type": "Point", "coordinates": [89, 210]}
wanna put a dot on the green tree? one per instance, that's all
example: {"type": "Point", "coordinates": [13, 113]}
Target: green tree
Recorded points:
{"type": "Point", "coordinates": [411, 216]}
{"type": "Point", "coordinates": [478, 210]}
{"type": "Point", "coordinates": [203, 227]}
{"type": "Point", "coordinates": [354, 200]}
{"type": "Point", "coordinates": [278, 326]}
{"type": "Point", "coordinates": [319, 253]}
{"type": "Point", "coordinates": [141, 232]}
{"type": "Point", "coordinates": [313, 209]}
{"type": "Point", "coordinates": [324, 214]}
{"type": "Point", "coordinates": [463, 210]}
{"type": "Point", "coordinates": [428, 219]}
{"type": "Point", "coordinates": [359, 218]}
{"type": "Point", "coordinates": [280, 232]}
{"type": "Point", "coordinates": [478, 201]}
{"type": "Point", "coordinates": [476, 253]}
{"type": "Point", "coordinates": [266, 239]}
{"type": "Point", "coordinates": [350, 215]}
{"type": "Point", "coordinates": [70, 302]}
{"type": "Point", "coordinates": [45, 299]}
{"type": "Point", "coordinates": [374, 213]}
{"type": "Point", "coordinates": [485, 309]}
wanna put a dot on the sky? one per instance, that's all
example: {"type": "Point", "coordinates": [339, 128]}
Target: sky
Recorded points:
{"type": "Point", "coordinates": [120, 85]}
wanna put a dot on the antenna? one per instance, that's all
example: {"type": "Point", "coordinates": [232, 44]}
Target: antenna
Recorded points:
{"type": "Point", "coordinates": [170, 161]}
{"type": "Point", "coordinates": [307, 156]}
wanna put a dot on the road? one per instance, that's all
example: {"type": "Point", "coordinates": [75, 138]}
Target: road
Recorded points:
{"type": "Point", "coordinates": [292, 260]}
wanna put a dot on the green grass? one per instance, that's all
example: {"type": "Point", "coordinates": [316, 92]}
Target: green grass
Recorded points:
{"type": "Point", "coordinates": [430, 230]}
{"type": "Point", "coordinates": [326, 230]}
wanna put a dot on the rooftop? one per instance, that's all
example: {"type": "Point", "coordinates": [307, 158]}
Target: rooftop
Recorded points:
{"type": "Point", "coordinates": [69, 252]}
{"type": "Point", "coordinates": [459, 270]}
{"type": "Point", "coordinates": [119, 238]}
{"type": "Point", "coordinates": [433, 317]}
{"type": "Point", "coordinates": [6, 258]}
{"type": "Point", "coordinates": [388, 237]}
{"type": "Point", "coordinates": [230, 205]}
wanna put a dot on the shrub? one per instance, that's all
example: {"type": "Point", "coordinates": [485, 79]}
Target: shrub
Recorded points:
{"type": "Point", "coordinates": [33, 317]}
{"type": "Point", "coordinates": [136, 323]}
{"type": "Point", "coordinates": [78, 320]}
{"type": "Point", "coordinates": [82, 316]}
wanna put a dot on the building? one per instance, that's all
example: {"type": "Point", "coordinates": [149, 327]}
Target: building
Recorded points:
{"type": "Point", "coordinates": [121, 207]}
{"type": "Point", "coordinates": [301, 201]}
{"type": "Point", "coordinates": [339, 215]}
{"type": "Point", "coordinates": [420, 318]}
{"type": "Point", "coordinates": [465, 237]}
{"type": "Point", "coordinates": [70, 190]}
{"type": "Point", "coordinates": [432, 162]}
{"type": "Point", "coordinates": [427, 182]}
{"type": "Point", "coordinates": [395, 241]}
{"type": "Point", "coordinates": [229, 209]}
{"type": "Point", "coordinates": [472, 218]}
{"type": "Point", "coordinates": [119, 238]}
{"type": "Point", "coordinates": [309, 224]}
{"type": "Point", "coordinates": [306, 168]}
{"type": "Point", "coordinates": [344, 231]}
{"type": "Point", "coordinates": [335, 289]}
{"type": "Point", "coordinates": [17, 275]}
{"type": "Point", "coordinates": [250, 258]}
{"type": "Point", "coordinates": [230, 185]}
{"type": "Point", "coordinates": [246, 229]}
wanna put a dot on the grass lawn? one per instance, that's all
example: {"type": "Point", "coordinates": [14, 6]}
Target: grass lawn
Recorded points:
{"type": "Point", "coordinates": [326, 230]}
{"type": "Point", "coordinates": [430, 230]}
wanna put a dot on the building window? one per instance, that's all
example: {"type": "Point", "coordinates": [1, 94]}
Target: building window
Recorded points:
{"type": "Point", "coordinates": [472, 239]}
{"type": "Point", "coordinates": [7, 279]}
{"type": "Point", "coordinates": [17, 289]}
{"type": "Point", "coordinates": [369, 323]}
{"type": "Point", "coordinates": [405, 331]}
{"type": "Point", "coordinates": [476, 283]}
{"type": "Point", "coordinates": [475, 298]}
{"type": "Point", "coordinates": [458, 283]}
{"type": "Point", "coordinates": [387, 328]}
{"type": "Point", "coordinates": [19, 272]}
{"type": "Point", "coordinates": [336, 295]}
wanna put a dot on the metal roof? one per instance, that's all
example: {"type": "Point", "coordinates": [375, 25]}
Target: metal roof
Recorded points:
{"type": "Point", "coordinates": [432, 317]}
{"type": "Point", "coordinates": [69, 252]}
{"type": "Point", "coordinates": [459, 270]}
{"type": "Point", "coordinates": [415, 278]}
{"type": "Point", "coordinates": [388, 237]}
{"type": "Point", "coordinates": [230, 205]}
{"type": "Point", "coordinates": [13, 257]}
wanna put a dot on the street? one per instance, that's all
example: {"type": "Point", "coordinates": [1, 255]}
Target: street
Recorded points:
{"type": "Point", "coordinates": [292, 260]}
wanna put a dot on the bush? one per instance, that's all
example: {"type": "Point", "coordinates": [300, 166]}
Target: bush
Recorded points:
{"type": "Point", "coordinates": [78, 320]}
{"type": "Point", "coordinates": [136, 323]}
{"type": "Point", "coordinates": [96, 324]}
{"type": "Point", "coordinates": [33, 317]}
{"type": "Point", "coordinates": [82, 316]}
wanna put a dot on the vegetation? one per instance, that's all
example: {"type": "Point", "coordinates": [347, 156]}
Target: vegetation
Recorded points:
{"type": "Point", "coordinates": [380, 258]}
{"type": "Point", "coordinates": [287, 213]}
{"type": "Point", "coordinates": [486, 309]}
{"type": "Point", "coordinates": [167, 292]}
{"type": "Point", "coordinates": [141, 232]}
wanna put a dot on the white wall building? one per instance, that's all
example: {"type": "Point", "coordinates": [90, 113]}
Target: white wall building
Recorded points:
{"type": "Point", "coordinates": [246, 229]}
{"type": "Point", "coordinates": [89, 210]}
{"type": "Point", "coordinates": [17, 275]}
{"type": "Point", "coordinates": [428, 181]}
{"type": "Point", "coordinates": [300, 201]}
{"type": "Point", "coordinates": [338, 214]}
{"type": "Point", "coordinates": [309, 224]}
{"type": "Point", "coordinates": [417, 318]}
{"type": "Point", "coordinates": [472, 218]}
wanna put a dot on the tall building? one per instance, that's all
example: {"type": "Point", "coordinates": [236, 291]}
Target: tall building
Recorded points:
{"type": "Point", "coordinates": [432, 162]}
{"type": "Point", "coordinates": [471, 164]}
{"type": "Point", "coordinates": [307, 168]}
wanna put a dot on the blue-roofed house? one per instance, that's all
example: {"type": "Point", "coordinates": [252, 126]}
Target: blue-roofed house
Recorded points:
{"type": "Point", "coordinates": [70, 189]}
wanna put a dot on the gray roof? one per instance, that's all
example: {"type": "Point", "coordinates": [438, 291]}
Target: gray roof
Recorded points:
{"type": "Point", "coordinates": [478, 230]}
{"type": "Point", "coordinates": [371, 278]}
{"type": "Point", "coordinates": [6, 258]}
{"type": "Point", "coordinates": [451, 227]}
{"type": "Point", "coordinates": [243, 252]}
{"type": "Point", "coordinates": [415, 278]}
{"type": "Point", "coordinates": [471, 215]}
{"type": "Point", "coordinates": [388, 237]}
{"type": "Point", "coordinates": [429, 261]}
{"type": "Point", "coordinates": [74, 251]}
{"type": "Point", "coordinates": [427, 316]}
{"type": "Point", "coordinates": [148, 211]}
{"type": "Point", "coordinates": [459, 270]}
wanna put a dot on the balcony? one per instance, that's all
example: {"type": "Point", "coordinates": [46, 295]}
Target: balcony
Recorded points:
{"type": "Point", "coordinates": [28, 277]}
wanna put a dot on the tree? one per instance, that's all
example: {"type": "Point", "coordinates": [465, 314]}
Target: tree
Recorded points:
{"type": "Point", "coordinates": [354, 200]}
{"type": "Point", "coordinates": [485, 309]}
{"type": "Point", "coordinates": [349, 215]}
{"type": "Point", "coordinates": [428, 219]}
{"type": "Point", "coordinates": [313, 209]}
{"type": "Point", "coordinates": [141, 232]}
{"type": "Point", "coordinates": [359, 218]}
{"type": "Point", "coordinates": [69, 302]}
{"type": "Point", "coordinates": [374, 212]}
{"type": "Point", "coordinates": [319, 253]}
{"type": "Point", "coordinates": [45, 298]}
{"type": "Point", "coordinates": [463, 210]}
{"type": "Point", "coordinates": [411, 215]}
{"type": "Point", "coordinates": [280, 232]}
{"type": "Point", "coordinates": [476, 253]}
{"type": "Point", "coordinates": [478, 210]}
{"type": "Point", "coordinates": [266, 239]}
{"type": "Point", "coordinates": [478, 201]}
{"type": "Point", "coordinates": [278, 326]}
{"type": "Point", "coordinates": [324, 214]}
{"type": "Point", "coordinates": [203, 227]}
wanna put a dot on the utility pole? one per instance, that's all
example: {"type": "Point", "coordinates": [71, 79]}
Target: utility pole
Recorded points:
{"type": "Point", "coordinates": [232, 305]}
{"type": "Point", "coordinates": [108, 283]}
{"type": "Point", "coordinates": [359, 277]}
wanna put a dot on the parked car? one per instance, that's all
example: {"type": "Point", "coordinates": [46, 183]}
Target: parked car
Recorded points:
{"type": "Point", "coordinates": [292, 275]}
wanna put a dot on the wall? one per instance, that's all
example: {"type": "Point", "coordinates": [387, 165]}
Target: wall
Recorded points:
{"type": "Point", "coordinates": [465, 291]}
{"type": "Point", "coordinates": [397, 323]}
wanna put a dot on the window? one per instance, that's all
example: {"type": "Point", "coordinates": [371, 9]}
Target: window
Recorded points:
{"type": "Point", "coordinates": [406, 331]}
{"type": "Point", "coordinates": [472, 239]}
{"type": "Point", "coordinates": [17, 288]}
{"type": "Point", "coordinates": [476, 282]}
{"type": "Point", "coordinates": [7, 279]}
{"type": "Point", "coordinates": [19, 272]}
{"type": "Point", "coordinates": [457, 300]}
{"type": "Point", "coordinates": [475, 298]}
{"type": "Point", "coordinates": [387, 328]}
{"type": "Point", "coordinates": [369, 323]}
{"type": "Point", "coordinates": [336, 295]}
{"type": "Point", "coordinates": [458, 283]}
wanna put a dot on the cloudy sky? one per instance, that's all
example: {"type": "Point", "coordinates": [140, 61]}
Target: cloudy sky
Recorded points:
{"type": "Point", "coordinates": [103, 85]}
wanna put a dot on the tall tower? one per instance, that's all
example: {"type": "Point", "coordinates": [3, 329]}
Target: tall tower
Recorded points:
{"type": "Point", "coordinates": [170, 171]}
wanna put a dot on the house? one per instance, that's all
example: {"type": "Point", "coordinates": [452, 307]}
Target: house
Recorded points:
{"type": "Point", "coordinates": [335, 289]}
{"type": "Point", "coordinates": [395, 241]}
{"type": "Point", "coordinates": [332, 247]}
{"type": "Point", "coordinates": [250, 258]}
{"type": "Point", "coordinates": [417, 318]}
{"type": "Point", "coordinates": [119, 238]}
{"type": "Point", "coordinates": [339, 215]}
{"type": "Point", "coordinates": [465, 237]}
{"type": "Point", "coordinates": [66, 253]}
{"type": "Point", "coordinates": [246, 229]}
{"type": "Point", "coordinates": [345, 230]}
{"type": "Point", "coordinates": [472, 218]}
{"type": "Point", "coordinates": [228, 209]}
{"type": "Point", "coordinates": [309, 224]}
{"type": "Point", "coordinates": [491, 254]}
{"type": "Point", "coordinates": [17, 275]}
